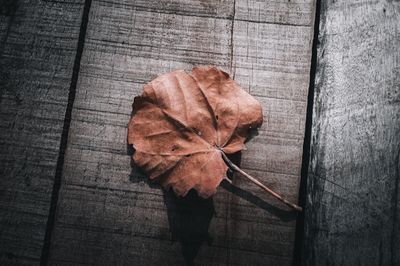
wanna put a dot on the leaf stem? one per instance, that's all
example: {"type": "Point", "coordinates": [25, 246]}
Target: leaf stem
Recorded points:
{"type": "Point", "coordinates": [234, 167]}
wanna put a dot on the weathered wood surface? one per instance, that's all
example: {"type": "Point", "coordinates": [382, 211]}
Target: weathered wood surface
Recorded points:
{"type": "Point", "coordinates": [38, 45]}
{"type": "Point", "coordinates": [352, 211]}
{"type": "Point", "coordinates": [107, 214]}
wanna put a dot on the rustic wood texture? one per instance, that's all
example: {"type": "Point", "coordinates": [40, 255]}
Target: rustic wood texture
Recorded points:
{"type": "Point", "coordinates": [107, 214]}
{"type": "Point", "coordinates": [38, 45]}
{"type": "Point", "coordinates": [352, 211]}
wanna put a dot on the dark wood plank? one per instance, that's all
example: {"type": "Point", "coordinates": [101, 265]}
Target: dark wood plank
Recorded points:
{"type": "Point", "coordinates": [271, 61]}
{"type": "Point", "coordinates": [352, 212]}
{"type": "Point", "coordinates": [38, 46]}
{"type": "Point", "coordinates": [107, 214]}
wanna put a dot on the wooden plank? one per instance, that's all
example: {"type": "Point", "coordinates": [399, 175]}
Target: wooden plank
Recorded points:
{"type": "Point", "coordinates": [352, 215]}
{"type": "Point", "coordinates": [271, 59]}
{"type": "Point", "coordinates": [107, 214]}
{"type": "Point", "coordinates": [38, 46]}
{"type": "Point", "coordinates": [126, 47]}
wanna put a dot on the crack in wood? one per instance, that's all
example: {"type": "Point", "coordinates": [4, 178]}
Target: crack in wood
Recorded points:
{"type": "Point", "coordinates": [64, 136]}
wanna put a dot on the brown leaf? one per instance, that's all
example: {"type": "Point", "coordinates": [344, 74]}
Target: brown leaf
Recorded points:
{"type": "Point", "coordinates": [181, 123]}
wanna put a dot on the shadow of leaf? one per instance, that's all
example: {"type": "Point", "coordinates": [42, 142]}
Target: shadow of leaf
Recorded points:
{"type": "Point", "coordinates": [189, 217]}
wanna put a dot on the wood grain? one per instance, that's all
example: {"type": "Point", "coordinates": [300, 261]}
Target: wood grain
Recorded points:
{"type": "Point", "coordinates": [107, 214]}
{"type": "Point", "coordinates": [352, 211]}
{"type": "Point", "coordinates": [295, 13]}
{"type": "Point", "coordinates": [38, 45]}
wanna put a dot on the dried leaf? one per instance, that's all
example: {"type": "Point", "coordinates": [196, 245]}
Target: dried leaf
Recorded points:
{"type": "Point", "coordinates": [183, 122]}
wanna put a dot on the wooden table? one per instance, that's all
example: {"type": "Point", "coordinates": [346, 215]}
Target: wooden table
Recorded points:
{"type": "Point", "coordinates": [69, 73]}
